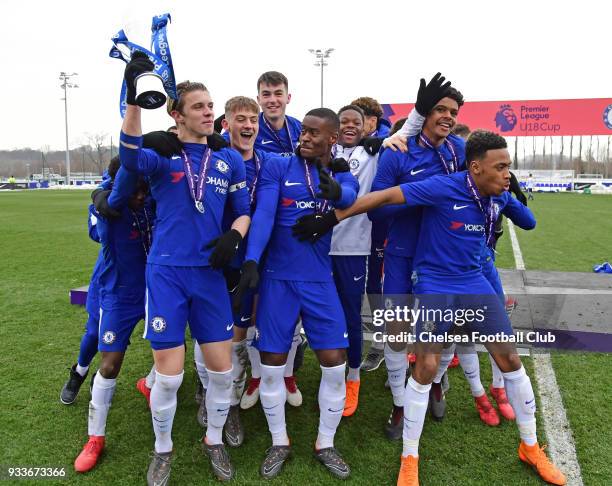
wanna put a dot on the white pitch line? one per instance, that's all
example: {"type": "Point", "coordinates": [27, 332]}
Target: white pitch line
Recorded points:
{"type": "Point", "coordinates": [558, 432]}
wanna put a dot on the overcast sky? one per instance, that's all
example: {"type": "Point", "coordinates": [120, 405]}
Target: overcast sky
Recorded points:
{"type": "Point", "coordinates": [490, 50]}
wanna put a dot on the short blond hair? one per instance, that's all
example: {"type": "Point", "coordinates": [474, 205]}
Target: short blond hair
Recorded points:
{"type": "Point", "coordinates": [238, 103]}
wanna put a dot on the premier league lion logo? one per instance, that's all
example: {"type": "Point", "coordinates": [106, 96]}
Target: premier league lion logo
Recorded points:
{"type": "Point", "coordinates": [505, 119]}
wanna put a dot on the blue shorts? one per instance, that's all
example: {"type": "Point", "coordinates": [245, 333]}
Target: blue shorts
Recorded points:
{"type": "Point", "coordinates": [242, 318]}
{"type": "Point", "coordinates": [397, 280]}
{"type": "Point", "coordinates": [116, 326]}
{"type": "Point", "coordinates": [92, 326]}
{"type": "Point", "coordinates": [280, 304]}
{"type": "Point", "coordinates": [469, 302]}
{"type": "Point", "coordinates": [490, 273]}
{"type": "Point", "coordinates": [177, 295]}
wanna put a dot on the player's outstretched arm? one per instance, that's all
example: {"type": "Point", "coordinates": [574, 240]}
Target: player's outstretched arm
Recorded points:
{"type": "Point", "coordinates": [313, 226]}
{"type": "Point", "coordinates": [519, 214]}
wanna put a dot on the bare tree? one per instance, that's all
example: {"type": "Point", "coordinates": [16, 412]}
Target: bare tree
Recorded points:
{"type": "Point", "coordinates": [96, 150]}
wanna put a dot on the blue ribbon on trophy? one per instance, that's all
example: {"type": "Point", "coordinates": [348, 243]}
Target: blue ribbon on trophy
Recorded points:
{"type": "Point", "coordinates": [149, 95]}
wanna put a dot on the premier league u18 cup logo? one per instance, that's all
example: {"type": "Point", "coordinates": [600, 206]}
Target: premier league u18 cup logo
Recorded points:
{"type": "Point", "coordinates": [505, 118]}
{"type": "Point", "coordinates": [607, 116]}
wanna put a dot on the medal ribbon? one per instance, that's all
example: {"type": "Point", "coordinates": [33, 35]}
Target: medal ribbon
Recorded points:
{"type": "Point", "coordinates": [197, 191]}
{"type": "Point", "coordinates": [490, 212]}
{"type": "Point", "coordinates": [254, 186]}
{"type": "Point", "coordinates": [310, 185]}
{"type": "Point", "coordinates": [278, 139]}
{"type": "Point", "coordinates": [450, 166]}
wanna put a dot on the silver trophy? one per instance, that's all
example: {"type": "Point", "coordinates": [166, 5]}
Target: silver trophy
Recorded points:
{"type": "Point", "coordinates": [149, 86]}
{"type": "Point", "coordinates": [149, 91]}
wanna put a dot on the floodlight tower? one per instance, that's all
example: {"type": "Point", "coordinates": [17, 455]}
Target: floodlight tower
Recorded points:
{"type": "Point", "coordinates": [321, 55]}
{"type": "Point", "coordinates": [66, 83]}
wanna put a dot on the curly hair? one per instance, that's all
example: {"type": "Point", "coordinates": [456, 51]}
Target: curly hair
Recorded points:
{"type": "Point", "coordinates": [456, 95]}
{"type": "Point", "coordinates": [480, 141]}
{"type": "Point", "coordinates": [370, 106]}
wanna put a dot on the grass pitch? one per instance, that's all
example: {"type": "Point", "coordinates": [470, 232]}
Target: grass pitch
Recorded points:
{"type": "Point", "coordinates": [45, 251]}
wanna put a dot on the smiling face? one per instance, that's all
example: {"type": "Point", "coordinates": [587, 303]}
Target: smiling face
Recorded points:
{"type": "Point", "coordinates": [351, 128]}
{"type": "Point", "coordinates": [317, 138]}
{"type": "Point", "coordinates": [196, 119]}
{"type": "Point", "coordinates": [441, 120]}
{"type": "Point", "coordinates": [243, 126]}
{"type": "Point", "coordinates": [491, 172]}
{"type": "Point", "coordinates": [273, 100]}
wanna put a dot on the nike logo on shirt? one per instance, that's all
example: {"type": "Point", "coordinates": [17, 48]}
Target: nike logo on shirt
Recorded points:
{"type": "Point", "coordinates": [345, 335]}
{"type": "Point", "coordinates": [455, 207]}
{"type": "Point", "coordinates": [356, 279]}
{"type": "Point", "coordinates": [266, 142]}
{"type": "Point", "coordinates": [288, 184]}
{"type": "Point", "coordinates": [415, 172]}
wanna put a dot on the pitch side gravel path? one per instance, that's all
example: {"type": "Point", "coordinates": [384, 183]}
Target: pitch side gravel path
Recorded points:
{"type": "Point", "coordinates": [558, 432]}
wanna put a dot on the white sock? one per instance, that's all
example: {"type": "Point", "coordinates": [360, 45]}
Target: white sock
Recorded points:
{"type": "Point", "coordinates": [218, 398]}
{"type": "Point", "coordinates": [332, 394]}
{"type": "Point", "coordinates": [150, 379]}
{"type": "Point", "coordinates": [202, 374]}
{"type": "Point", "coordinates": [498, 376]}
{"type": "Point", "coordinates": [81, 370]}
{"type": "Point", "coordinates": [254, 357]}
{"type": "Point", "coordinates": [297, 339]}
{"type": "Point", "coordinates": [396, 364]}
{"type": "Point", "coordinates": [521, 397]}
{"type": "Point", "coordinates": [163, 408]}
{"type": "Point", "coordinates": [445, 358]}
{"type": "Point", "coordinates": [238, 371]}
{"type": "Point", "coordinates": [353, 374]}
{"type": "Point", "coordinates": [416, 398]}
{"type": "Point", "coordinates": [273, 394]}
{"type": "Point", "coordinates": [468, 359]}
{"type": "Point", "coordinates": [101, 398]}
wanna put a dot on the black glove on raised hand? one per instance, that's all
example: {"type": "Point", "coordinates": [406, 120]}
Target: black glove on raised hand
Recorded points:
{"type": "Point", "coordinates": [313, 226]}
{"type": "Point", "coordinates": [225, 246]}
{"type": "Point", "coordinates": [249, 279]}
{"type": "Point", "coordinates": [165, 144]}
{"type": "Point", "coordinates": [429, 94]}
{"type": "Point", "coordinates": [328, 187]}
{"type": "Point", "coordinates": [339, 165]}
{"type": "Point", "coordinates": [372, 144]}
{"type": "Point", "coordinates": [515, 188]}
{"type": "Point", "coordinates": [139, 64]}
{"type": "Point", "coordinates": [100, 202]}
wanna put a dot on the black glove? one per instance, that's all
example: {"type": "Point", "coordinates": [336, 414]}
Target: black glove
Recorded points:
{"type": "Point", "coordinates": [339, 165]}
{"type": "Point", "coordinates": [166, 144]}
{"type": "Point", "coordinates": [372, 144]}
{"type": "Point", "coordinates": [429, 94]}
{"type": "Point", "coordinates": [515, 188]}
{"type": "Point", "coordinates": [313, 226]}
{"type": "Point", "coordinates": [139, 64]}
{"type": "Point", "coordinates": [100, 201]}
{"type": "Point", "coordinates": [225, 246]}
{"type": "Point", "coordinates": [328, 187]}
{"type": "Point", "coordinates": [249, 279]}
{"type": "Point", "coordinates": [216, 141]}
